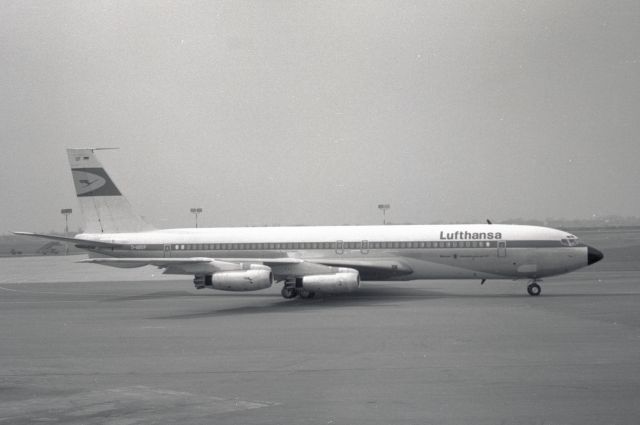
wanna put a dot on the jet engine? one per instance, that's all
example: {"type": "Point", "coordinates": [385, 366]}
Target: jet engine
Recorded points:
{"type": "Point", "coordinates": [346, 280]}
{"type": "Point", "coordinates": [246, 280]}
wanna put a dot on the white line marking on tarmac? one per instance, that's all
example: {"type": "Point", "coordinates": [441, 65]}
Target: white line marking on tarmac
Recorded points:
{"type": "Point", "coordinates": [48, 302]}
{"type": "Point", "coordinates": [130, 405]}
{"type": "Point", "coordinates": [53, 293]}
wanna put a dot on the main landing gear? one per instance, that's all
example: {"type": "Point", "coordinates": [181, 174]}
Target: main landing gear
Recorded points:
{"type": "Point", "coordinates": [534, 289]}
{"type": "Point", "coordinates": [289, 292]}
{"type": "Point", "coordinates": [293, 288]}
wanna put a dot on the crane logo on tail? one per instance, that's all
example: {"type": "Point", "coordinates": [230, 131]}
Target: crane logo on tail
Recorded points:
{"type": "Point", "coordinates": [93, 182]}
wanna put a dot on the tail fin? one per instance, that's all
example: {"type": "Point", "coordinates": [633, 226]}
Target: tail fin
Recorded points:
{"type": "Point", "coordinates": [104, 209]}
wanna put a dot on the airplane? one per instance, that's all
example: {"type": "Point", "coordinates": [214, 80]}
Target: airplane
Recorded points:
{"type": "Point", "coordinates": [312, 259]}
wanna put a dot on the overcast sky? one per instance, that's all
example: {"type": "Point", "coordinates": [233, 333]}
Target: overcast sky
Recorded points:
{"type": "Point", "coordinates": [287, 112]}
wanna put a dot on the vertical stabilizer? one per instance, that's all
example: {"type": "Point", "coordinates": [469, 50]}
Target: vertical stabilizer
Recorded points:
{"type": "Point", "coordinates": [104, 209]}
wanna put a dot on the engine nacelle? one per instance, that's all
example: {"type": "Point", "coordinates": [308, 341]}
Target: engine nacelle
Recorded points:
{"type": "Point", "coordinates": [249, 280]}
{"type": "Point", "coordinates": [343, 281]}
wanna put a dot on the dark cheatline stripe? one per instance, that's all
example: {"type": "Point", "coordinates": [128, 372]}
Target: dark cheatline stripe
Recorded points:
{"type": "Point", "coordinates": [534, 244]}
{"type": "Point", "coordinates": [210, 247]}
{"type": "Point", "coordinates": [84, 177]}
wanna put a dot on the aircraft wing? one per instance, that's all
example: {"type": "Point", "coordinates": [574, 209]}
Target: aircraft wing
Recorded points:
{"type": "Point", "coordinates": [140, 262]}
{"type": "Point", "coordinates": [194, 265]}
{"type": "Point", "coordinates": [378, 269]}
{"type": "Point", "coordinates": [168, 262]}
{"type": "Point", "coordinates": [369, 269]}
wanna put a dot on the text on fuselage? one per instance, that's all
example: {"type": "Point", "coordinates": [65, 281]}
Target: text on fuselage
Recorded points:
{"type": "Point", "coordinates": [464, 235]}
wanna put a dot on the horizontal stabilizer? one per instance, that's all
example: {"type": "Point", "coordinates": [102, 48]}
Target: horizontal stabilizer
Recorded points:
{"type": "Point", "coordinates": [77, 241]}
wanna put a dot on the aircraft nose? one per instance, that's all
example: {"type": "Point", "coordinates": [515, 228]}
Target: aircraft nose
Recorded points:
{"type": "Point", "coordinates": [593, 255]}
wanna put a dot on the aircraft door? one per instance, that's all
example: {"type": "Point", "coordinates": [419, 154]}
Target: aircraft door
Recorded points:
{"type": "Point", "coordinates": [364, 248]}
{"type": "Point", "coordinates": [167, 250]}
{"type": "Point", "coordinates": [339, 247]}
{"type": "Point", "coordinates": [502, 248]}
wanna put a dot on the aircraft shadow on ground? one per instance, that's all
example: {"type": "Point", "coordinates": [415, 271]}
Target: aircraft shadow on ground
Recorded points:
{"type": "Point", "coordinates": [272, 302]}
{"type": "Point", "coordinates": [367, 298]}
{"type": "Point", "coordinates": [364, 297]}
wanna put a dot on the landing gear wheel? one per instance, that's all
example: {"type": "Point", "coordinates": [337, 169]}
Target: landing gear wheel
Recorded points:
{"type": "Point", "coordinates": [289, 292]}
{"type": "Point", "coordinates": [304, 294]}
{"type": "Point", "coordinates": [534, 289]}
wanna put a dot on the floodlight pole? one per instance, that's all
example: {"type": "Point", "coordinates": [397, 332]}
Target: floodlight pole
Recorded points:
{"type": "Point", "coordinates": [384, 208]}
{"type": "Point", "coordinates": [66, 212]}
{"type": "Point", "coordinates": [196, 211]}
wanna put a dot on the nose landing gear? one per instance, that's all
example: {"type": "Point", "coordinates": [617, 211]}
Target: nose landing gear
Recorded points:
{"type": "Point", "coordinates": [534, 289]}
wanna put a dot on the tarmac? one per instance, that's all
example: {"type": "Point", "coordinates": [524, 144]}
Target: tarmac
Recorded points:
{"type": "Point", "coordinates": [85, 344]}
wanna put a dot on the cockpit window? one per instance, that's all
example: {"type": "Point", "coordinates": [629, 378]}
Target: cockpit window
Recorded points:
{"type": "Point", "coordinates": [570, 241]}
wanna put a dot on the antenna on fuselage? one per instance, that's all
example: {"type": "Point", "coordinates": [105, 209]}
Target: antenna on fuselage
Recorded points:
{"type": "Point", "coordinates": [489, 221]}
{"type": "Point", "coordinates": [99, 149]}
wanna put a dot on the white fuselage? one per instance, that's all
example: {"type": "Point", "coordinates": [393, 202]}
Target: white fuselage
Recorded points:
{"type": "Point", "coordinates": [478, 251]}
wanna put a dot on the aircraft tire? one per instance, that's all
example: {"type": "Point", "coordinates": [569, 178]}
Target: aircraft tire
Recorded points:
{"type": "Point", "coordinates": [289, 292]}
{"type": "Point", "coordinates": [534, 289]}
{"type": "Point", "coordinates": [304, 294]}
